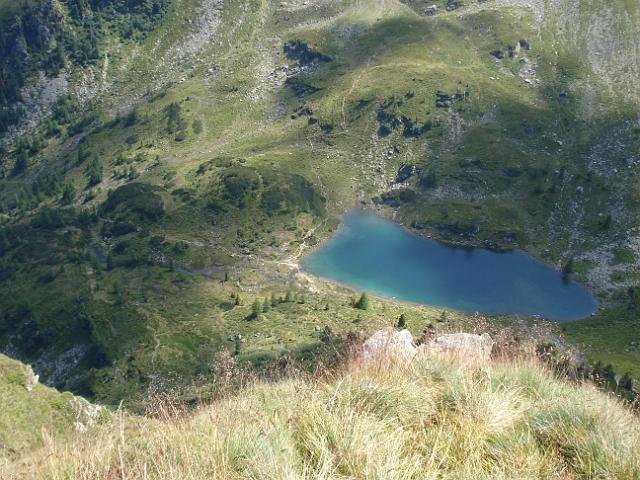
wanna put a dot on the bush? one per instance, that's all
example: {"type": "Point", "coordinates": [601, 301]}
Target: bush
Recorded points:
{"type": "Point", "coordinates": [132, 139]}
{"type": "Point", "coordinates": [134, 201]}
{"type": "Point", "coordinates": [240, 184]}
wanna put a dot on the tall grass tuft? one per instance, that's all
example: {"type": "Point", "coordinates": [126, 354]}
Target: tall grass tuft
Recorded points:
{"type": "Point", "coordinates": [435, 417]}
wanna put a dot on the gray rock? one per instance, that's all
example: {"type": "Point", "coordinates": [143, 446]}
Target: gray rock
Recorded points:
{"type": "Point", "coordinates": [430, 10]}
{"type": "Point", "coordinates": [87, 414]}
{"type": "Point", "coordinates": [464, 344]}
{"type": "Point", "coordinates": [30, 379]}
{"type": "Point", "coordinates": [395, 343]}
{"type": "Point", "coordinates": [576, 359]}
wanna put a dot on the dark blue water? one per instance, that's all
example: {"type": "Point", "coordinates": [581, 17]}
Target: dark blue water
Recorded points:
{"type": "Point", "coordinates": [373, 254]}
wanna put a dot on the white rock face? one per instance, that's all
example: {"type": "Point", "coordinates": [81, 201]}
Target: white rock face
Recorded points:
{"type": "Point", "coordinates": [390, 342]}
{"type": "Point", "coordinates": [466, 345]}
{"type": "Point", "coordinates": [87, 414]}
{"type": "Point", "coordinates": [30, 379]}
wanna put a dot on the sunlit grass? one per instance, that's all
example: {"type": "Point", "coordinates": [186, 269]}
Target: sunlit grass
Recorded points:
{"type": "Point", "coordinates": [436, 417]}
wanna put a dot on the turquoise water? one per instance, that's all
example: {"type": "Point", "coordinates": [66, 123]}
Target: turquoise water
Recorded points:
{"type": "Point", "coordinates": [373, 254]}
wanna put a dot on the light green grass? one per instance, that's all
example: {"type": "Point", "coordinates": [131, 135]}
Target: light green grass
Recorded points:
{"type": "Point", "coordinates": [170, 323]}
{"type": "Point", "coordinates": [29, 419]}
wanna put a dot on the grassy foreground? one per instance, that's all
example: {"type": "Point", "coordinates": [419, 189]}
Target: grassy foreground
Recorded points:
{"type": "Point", "coordinates": [28, 417]}
{"type": "Point", "coordinates": [435, 417]}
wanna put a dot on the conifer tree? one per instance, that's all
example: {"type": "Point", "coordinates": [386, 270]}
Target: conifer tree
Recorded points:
{"type": "Point", "coordinates": [363, 302]}
{"type": "Point", "coordinates": [21, 162]}
{"type": "Point", "coordinates": [94, 171]}
{"type": "Point", "coordinates": [68, 193]}
{"type": "Point", "coordinates": [256, 308]}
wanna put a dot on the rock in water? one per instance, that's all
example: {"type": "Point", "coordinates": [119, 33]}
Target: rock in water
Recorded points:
{"type": "Point", "coordinates": [391, 342]}
{"type": "Point", "coordinates": [466, 345]}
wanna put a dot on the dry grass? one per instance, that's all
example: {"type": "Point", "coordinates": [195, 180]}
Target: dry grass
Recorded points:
{"type": "Point", "coordinates": [434, 417]}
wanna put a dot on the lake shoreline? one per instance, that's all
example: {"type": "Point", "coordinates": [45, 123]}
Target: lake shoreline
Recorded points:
{"type": "Point", "coordinates": [520, 256]}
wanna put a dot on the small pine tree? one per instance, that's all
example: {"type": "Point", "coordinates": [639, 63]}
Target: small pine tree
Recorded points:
{"type": "Point", "coordinates": [238, 345]}
{"type": "Point", "coordinates": [626, 382]}
{"type": "Point", "coordinates": [117, 290]}
{"type": "Point", "coordinates": [363, 302]}
{"type": "Point", "coordinates": [402, 322]}
{"type": "Point", "coordinates": [68, 193]}
{"type": "Point", "coordinates": [94, 172]}
{"type": "Point", "coordinates": [175, 122]}
{"type": "Point", "coordinates": [22, 162]}
{"type": "Point", "coordinates": [568, 268]}
{"type": "Point", "coordinates": [274, 300]}
{"type": "Point", "coordinates": [82, 153]}
{"type": "Point", "coordinates": [266, 306]}
{"type": "Point", "coordinates": [289, 297]}
{"type": "Point", "coordinates": [132, 118]}
{"type": "Point", "coordinates": [443, 317]}
{"type": "Point", "coordinates": [236, 300]}
{"type": "Point", "coordinates": [430, 180]}
{"type": "Point", "coordinates": [256, 308]}
{"type": "Point", "coordinates": [197, 126]}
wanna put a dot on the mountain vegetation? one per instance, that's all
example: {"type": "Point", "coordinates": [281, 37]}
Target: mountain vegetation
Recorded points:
{"type": "Point", "coordinates": [164, 165]}
{"type": "Point", "coordinates": [433, 417]}
{"type": "Point", "coordinates": [186, 152]}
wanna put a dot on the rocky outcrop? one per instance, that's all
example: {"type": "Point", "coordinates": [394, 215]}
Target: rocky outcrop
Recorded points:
{"type": "Point", "coordinates": [30, 378]}
{"type": "Point", "coordinates": [466, 345]}
{"type": "Point", "coordinates": [400, 344]}
{"type": "Point", "coordinates": [305, 55]}
{"type": "Point", "coordinates": [446, 100]}
{"type": "Point", "coordinates": [87, 414]}
{"type": "Point", "coordinates": [389, 342]}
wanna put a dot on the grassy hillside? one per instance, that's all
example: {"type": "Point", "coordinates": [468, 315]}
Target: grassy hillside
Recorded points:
{"type": "Point", "coordinates": [182, 172]}
{"type": "Point", "coordinates": [33, 414]}
{"type": "Point", "coordinates": [433, 417]}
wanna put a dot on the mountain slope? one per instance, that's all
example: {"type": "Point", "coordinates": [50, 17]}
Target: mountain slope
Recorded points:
{"type": "Point", "coordinates": [191, 165]}
{"type": "Point", "coordinates": [33, 414]}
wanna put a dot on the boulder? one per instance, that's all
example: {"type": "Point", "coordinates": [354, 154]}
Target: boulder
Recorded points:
{"type": "Point", "coordinates": [87, 414]}
{"type": "Point", "coordinates": [30, 379]}
{"type": "Point", "coordinates": [576, 359]}
{"type": "Point", "coordinates": [390, 342]}
{"type": "Point", "coordinates": [464, 344]}
{"type": "Point", "coordinates": [430, 10]}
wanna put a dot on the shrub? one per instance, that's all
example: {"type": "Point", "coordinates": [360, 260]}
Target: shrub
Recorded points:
{"type": "Point", "coordinates": [135, 201]}
{"type": "Point", "coordinates": [132, 139]}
